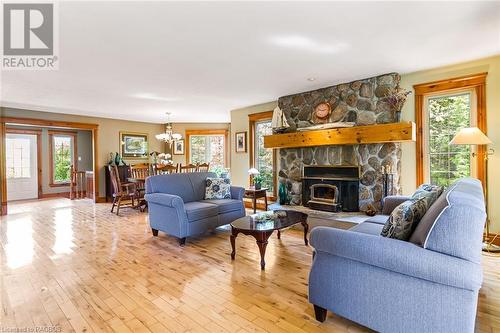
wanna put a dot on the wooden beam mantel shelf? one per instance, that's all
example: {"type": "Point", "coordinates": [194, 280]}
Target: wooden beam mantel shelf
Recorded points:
{"type": "Point", "coordinates": [393, 132]}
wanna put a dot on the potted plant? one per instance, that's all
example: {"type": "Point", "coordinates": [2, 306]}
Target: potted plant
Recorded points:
{"type": "Point", "coordinates": [257, 181]}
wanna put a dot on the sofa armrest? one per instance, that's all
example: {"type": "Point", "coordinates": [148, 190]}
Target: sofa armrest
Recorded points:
{"type": "Point", "coordinates": [237, 192]}
{"type": "Point", "coordinates": [397, 256]}
{"type": "Point", "coordinates": [164, 199]}
{"type": "Point", "coordinates": [391, 202]}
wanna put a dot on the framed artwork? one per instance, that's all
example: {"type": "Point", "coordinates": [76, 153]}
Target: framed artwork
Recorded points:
{"type": "Point", "coordinates": [241, 142]}
{"type": "Point", "coordinates": [134, 146]}
{"type": "Point", "coordinates": [179, 147]}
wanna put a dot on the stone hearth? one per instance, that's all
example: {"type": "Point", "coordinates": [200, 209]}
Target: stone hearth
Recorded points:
{"type": "Point", "coordinates": [362, 102]}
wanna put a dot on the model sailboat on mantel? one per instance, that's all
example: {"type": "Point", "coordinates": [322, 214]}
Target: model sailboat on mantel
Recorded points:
{"type": "Point", "coordinates": [279, 122]}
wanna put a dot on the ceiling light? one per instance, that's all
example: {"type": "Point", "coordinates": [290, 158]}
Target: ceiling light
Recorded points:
{"type": "Point", "coordinates": [311, 79]}
{"type": "Point", "coordinates": [169, 136]}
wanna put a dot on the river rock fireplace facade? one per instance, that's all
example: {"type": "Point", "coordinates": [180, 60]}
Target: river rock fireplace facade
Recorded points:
{"type": "Point", "coordinates": [362, 102]}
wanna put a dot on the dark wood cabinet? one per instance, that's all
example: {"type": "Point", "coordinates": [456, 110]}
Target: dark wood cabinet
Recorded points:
{"type": "Point", "coordinates": [123, 171]}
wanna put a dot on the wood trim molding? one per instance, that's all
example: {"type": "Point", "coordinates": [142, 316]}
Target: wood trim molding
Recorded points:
{"type": "Point", "coordinates": [73, 135]}
{"type": "Point", "coordinates": [476, 82]}
{"type": "Point", "coordinates": [461, 82]}
{"type": "Point", "coordinates": [38, 133]}
{"type": "Point", "coordinates": [224, 132]}
{"type": "Point", "coordinates": [252, 119]}
{"type": "Point", "coordinates": [48, 123]}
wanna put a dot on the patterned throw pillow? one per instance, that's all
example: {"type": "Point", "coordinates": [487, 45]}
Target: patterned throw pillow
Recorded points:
{"type": "Point", "coordinates": [404, 219]}
{"type": "Point", "coordinates": [428, 192]}
{"type": "Point", "coordinates": [217, 188]}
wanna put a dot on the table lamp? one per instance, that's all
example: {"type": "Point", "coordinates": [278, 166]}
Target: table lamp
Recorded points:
{"type": "Point", "coordinates": [252, 172]}
{"type": "Point", "coordinates": [474, 136]}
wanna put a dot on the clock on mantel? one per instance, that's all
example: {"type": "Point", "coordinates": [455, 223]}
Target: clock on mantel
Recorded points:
{"type": "Point", "coordinates": [321, 113]}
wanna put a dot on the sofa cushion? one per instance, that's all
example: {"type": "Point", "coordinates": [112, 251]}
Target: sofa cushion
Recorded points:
{"type": "Point", "coordinates": [226, 205]}
{"type": "Point", "coordinates": [197, 210]}
{"type": "Point", "coordinates": [404, 218]}
{"type": "Point", "coordinates": [178, 184]}
{"type": "Point", "coordinates": [198, 180]}
{"type": "Point", "coordinates": [424, 226]}
{"type": "Point", "coordinates": [428, 192]}
{"type": "Point", "coordinates": [217, 188]}
{"type": "Point", "coordinates": [380, 219]}
{"type": "Point", "coordinates": [368, 228]}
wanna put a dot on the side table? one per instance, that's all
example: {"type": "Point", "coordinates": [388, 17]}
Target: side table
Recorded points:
{"type": "Point", "coordinates": [254, 195]}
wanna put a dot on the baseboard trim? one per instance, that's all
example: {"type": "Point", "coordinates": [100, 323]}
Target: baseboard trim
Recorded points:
{"type": "Point", "coordinates": [58, 195]}
{"type": "Point", "coordinates": [101, 200]}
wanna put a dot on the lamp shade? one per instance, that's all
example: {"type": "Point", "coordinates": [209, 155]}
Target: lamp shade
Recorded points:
{"type": "Point", "coordinates": [253, 171]}
{"type": "Point", "coordinates": [470, 136]}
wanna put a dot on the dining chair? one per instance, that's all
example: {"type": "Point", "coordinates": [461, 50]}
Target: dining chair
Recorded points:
{"type": "Point", "coordinates": [187, 168]}
{"type": "Point", "coordinates": [163, 169]}
{"type": "Point", "coordinates": [124, 194]}
{"type": "Point", "coordinates": [203, 167]}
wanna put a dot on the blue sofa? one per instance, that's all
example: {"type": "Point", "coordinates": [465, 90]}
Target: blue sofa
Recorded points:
{"type": "Point", "coordinates": [396, 286]}
{"type": "Point", "coordinates": [177, 206]}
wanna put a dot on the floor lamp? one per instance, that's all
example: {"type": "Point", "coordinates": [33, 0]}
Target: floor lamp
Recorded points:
{"type": "Point", "coordinates": [474, 136]}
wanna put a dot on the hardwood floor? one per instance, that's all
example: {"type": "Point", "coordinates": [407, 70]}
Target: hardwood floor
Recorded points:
{"type": "Point", "coordinates": [76, 266]}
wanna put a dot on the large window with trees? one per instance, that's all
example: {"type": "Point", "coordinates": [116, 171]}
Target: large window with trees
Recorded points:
{"type": "Point", "coordinates": [62, 156]}
{"type": "Point", "coordinates": [442, 108]}
{"type": "Point", "coordinates": [446, 115]}
{"type": "Point", "coordinates": [264, 161]}
{"type": "Point", "coordinates": [261, 158]}
{"type": "Point", "coordinates": [207, 146]}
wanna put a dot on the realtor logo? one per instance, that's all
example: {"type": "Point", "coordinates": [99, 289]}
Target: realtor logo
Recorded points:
{"type": "Point", "coordinates": [29, 36]}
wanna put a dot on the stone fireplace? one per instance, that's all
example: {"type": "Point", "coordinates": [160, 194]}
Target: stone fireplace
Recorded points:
{"type": "Point", "coordinates": [362, 102]}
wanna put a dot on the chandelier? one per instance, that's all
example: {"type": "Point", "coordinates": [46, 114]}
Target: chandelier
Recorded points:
{"type": "Point", "coordinates": [169, 136]}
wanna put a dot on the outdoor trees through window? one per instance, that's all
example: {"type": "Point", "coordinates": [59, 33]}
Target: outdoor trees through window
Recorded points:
{"type": "Point", "coordinates": [263, 156]}
{"type": "Point", "coordinates": [62, 158]}
{"type": "Point", "coordinates": [207, 149]}
{"type": "Point", "coordinates": [446, 116]}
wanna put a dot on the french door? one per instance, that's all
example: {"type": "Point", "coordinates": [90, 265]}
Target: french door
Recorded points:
{"type": "Point", "coordinates": [21, 166]}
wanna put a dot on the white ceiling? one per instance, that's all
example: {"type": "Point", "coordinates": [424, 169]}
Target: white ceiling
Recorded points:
{"type": "Point", "coordinates": [137, 60]}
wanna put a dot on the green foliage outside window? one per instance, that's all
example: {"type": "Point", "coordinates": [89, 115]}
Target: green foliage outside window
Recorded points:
{"type": "Point", "coordinates": [447, 115]}
{"type": "Point", "coordinates": [264, 157]}
{"type": "Point", "coordinates": [62, 159]}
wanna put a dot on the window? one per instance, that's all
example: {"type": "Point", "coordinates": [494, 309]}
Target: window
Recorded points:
{"type": "Point", "coordinates": [62, 156]}
{"type": "Point", "coordinates": [261, 158]}
{"type": "Point", "coordinates": [442, 108]}
{"type": "Point", "coordinates": [18, 159]}
{"type": "Point", "coordinates": [207, 146]}
{"type": "Point", "coordinates": [447, 114]}
{"type": "Point", "coordinates": [264, 157]}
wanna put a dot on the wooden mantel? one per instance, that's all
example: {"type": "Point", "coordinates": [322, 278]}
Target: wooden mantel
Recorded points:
{"type": "Point", "coordinates": [393, 132]}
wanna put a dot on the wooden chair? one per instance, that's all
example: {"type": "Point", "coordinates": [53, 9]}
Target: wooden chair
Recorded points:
{"type": "Point", "coordinates": [203, 167]}
{"type": "Point", "coordinates": [122, 191]}
{"type": "Point", "coordinates": [139, 171]}
{"type": "Point", "coordinates": [187, 168]}
{"type": "Point", "coordinates": [163, 169]}
{"type": "Point", "coordinates": [77, 184]}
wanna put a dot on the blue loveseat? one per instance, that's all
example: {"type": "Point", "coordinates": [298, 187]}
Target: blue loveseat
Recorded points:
{"type": "Point", "coordinates": [396, 286]}
{"type": "Point", "coordinates": [177, 206]}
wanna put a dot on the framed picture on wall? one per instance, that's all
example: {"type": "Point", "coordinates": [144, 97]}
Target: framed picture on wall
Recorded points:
{"type": "Point", "coordinates": [179, 147]}
{"type": "Point", "coordinates": [241, 142]}
{"type": "Point", "coordinates": [134, 146]}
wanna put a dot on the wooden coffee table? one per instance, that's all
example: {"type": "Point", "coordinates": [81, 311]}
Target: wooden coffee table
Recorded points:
{"type": "Point", "coordinates": [261, 230]}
